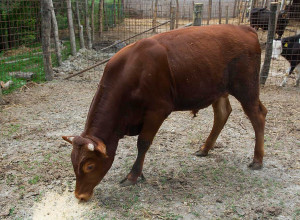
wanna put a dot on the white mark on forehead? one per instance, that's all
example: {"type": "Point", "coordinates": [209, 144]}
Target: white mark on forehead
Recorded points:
{"type": "Point", "coordinates": [91, 147]}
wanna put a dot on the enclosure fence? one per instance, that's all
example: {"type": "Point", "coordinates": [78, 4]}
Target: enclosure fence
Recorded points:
{"type": "Point", "coordinates": [81, 34]}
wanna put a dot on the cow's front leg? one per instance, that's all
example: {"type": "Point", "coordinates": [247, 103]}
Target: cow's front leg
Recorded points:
{"type": "Point", "coordinates": [222, 110]}
{"type": "Point", "coordinates": [152, 122]}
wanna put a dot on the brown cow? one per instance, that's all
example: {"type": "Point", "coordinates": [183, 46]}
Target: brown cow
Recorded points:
{"type": "Point", "coordinates": [185, 69]}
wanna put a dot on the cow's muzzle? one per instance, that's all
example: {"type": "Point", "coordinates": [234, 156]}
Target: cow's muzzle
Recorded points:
{"type": "Point", "coordinates": [83, 196]}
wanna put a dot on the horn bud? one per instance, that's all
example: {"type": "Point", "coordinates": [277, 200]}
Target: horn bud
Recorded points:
{"type": "Point", "coordinates": [91, 147]}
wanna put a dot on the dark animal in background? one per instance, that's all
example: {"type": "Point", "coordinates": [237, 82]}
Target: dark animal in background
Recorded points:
{"type": "Point", "coordinates": [289, 48]}
{"type": "Point", "coordinates": [180, 70]}
{"type": "Point", "coordinates": [259, 18]}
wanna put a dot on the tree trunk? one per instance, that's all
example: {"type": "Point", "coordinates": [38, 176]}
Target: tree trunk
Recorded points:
{"type": "Point", "coordinates": [114, 14]}
{"type": "Point", "coordinates": [80, 27]}
{"type": "Point", "coordinates": [93, 20]}
{"type": "Point", "coordinates": [101, 3]}
{"type": "Point", "coordinates": [87, 26]}
{"type": "Point", "coordinates": [56, 37]}
{"type": "Point", "coordinates": [71, 28]}
{"type": "Point", "coordinates": [46, 30]}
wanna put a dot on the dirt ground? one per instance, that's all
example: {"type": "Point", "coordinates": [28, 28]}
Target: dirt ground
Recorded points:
{"type": "Point", "coordinates": [37, 179]}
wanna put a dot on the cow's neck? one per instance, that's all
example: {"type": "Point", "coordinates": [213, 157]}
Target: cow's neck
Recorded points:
{"type": "Point", "coordinates": [102, 118]}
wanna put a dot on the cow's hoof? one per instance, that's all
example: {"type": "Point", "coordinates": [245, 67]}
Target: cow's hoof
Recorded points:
{"type": "Point", "coordinates": [127, 182]}
{"type": "Point", "coordinates": [255, 166]}
{"type": "Point", "coordinates": [201, 153]}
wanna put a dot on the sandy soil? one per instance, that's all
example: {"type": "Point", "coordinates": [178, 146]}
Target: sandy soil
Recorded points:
{"type": "Point", "coordinates": [37, 180]}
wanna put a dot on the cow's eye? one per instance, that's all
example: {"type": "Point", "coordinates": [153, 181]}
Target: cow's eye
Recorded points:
{"type": "Point", "coordinates": [88, 167]}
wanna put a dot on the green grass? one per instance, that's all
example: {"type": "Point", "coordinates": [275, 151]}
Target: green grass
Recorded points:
{"type": "Point", "coordinates": [31, 61]}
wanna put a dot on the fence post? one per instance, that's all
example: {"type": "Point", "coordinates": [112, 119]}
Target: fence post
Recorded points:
{"type": "Point", "coordinates": [177, 14]}
{"type": "Point", "coordinates": [56, 37]}
{"type": "Point", "coordinates": [234, 8]}
{"type": "Point", "coordinates": [154, 16]}
{"type": "Point", "coordinates": [271, 31]}
{"type": "Point", "coordinates": [172, 18]}
{"type": "Point", "coordinates": [71, 27]}
{"type": "Point", "coordinates": [2, 102]}
{"type": "Point", "coordinates": [46, 30]}
{"type": "Point", "coordinates": [87, 24]}
{"type": "Point", "coordinates": [197, 18]}
{"type": "Point", "coordinates": [81, 38]}
{"type": "Point", "coordinates": [226, 10]}
{"type": "Point", "coordinates": [101, 5]}
{"type": "Point", "coordinates": [209, 11]}
{"type": "Point", "coordinates": [220, 12]}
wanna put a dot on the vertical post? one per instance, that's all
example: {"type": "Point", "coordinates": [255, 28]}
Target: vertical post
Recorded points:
{"type": "Point", "coordinates": [209, 11]}
{"type": "Point", "coordinates": [197, 18]}
{"type": "Point", "coordinates": [282, 5]}
{"type": "Point", "coordinates": [244, 11]}
{"type": "Point", "coordinates": [220, 12]}
{"type": "Point", "coordinates": [101, 3]}
{"type": "Point", "coordinates": [271, 32]}
{"type": "Point", "coordinates": [93, 20]}
{"type": "Point", "coordinates": [177, 14]}
{"type": "Point", "coordinates": [71, 28]}
{"type": "Point", "coordinates": [81, 38]}
{"type": "Point", "coordinates": [172, 18]}
{"type": "Point", "coordinates": [234, 8]}
{"type": "Point", "coordinates": [2, 102]}
{"type": "Point", "coordinates": [87, 26]}
{"type": "Point", "coordinates": [46, 30]}
{"type": "Point", "coordinates": [154, 16]}
{"type": "Point", "coordinates": [226, 10]}
{"type": "Point", "coordinates": [56, 37]}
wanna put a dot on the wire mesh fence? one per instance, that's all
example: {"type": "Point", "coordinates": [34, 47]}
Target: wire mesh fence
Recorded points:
{"type": "Point", "coordinates": [102, 27]}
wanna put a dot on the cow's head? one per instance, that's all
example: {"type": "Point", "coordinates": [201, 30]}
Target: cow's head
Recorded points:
{"type": "Point", "coordinates": [90, 163]}
{"type": "Point", "coordinates": [277, 49]}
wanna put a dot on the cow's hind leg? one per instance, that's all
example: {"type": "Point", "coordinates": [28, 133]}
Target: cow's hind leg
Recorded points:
{"type": "Point", "coordinates": [257, 113]}
{"type": "Point", "coordinates": [222, 110]}
{"type": "Point", "coordinates": [152, 122]}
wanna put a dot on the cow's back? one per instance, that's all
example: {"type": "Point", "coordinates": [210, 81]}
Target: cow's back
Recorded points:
{"type": "Point", "coordinates": [199, 59]}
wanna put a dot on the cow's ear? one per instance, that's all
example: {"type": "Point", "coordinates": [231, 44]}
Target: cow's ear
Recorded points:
{"type": "Point", "coordinates": [101, 148]}
{"type": "Point", "coordinates": [69, 139]}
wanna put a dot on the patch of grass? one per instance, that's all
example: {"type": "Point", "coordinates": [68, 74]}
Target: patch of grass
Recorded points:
{"type": "Point", "coordinates": [34, 180]}
{"type": "Point", "coordinates": [10, 179]}
{"type": "Point", "coordinates": [11, 130]}
{"type": "Point", "coordinates": [296, 214]}
{"type": "Point", "coordinates": [11, 211]}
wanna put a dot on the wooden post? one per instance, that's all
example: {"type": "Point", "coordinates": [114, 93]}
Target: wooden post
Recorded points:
{"type": "Point", "coordinates": [154, 16]}
{"type": "Point", "coordinates": [197, 18]}
{"type": "Point", "coordinates": [239, 11]}
{"type": "Point", "coordinates": [71, 28]}
{"type": "Point", "coordinates": [244, 11]}
{"type": "Point", "coordinates": [55, 33]}
{"type": "Point", "coordinates": [101, 4]}
{"type": "Point", "coordinates": [81, 38]}
{"type": "Point", "coordinates": [209, 11]}
{"type": "Point", "coordinates": [220, 12]}
{"type": "Point", "coordinates": [93, 19]}
{"type": "Point", "coordinates": [177, 14]}
{"type": "Point", "coordinates": [226, 10]}
{"type": "Point", "coordinates": [2, 102]}
{"type": "Point", "coordinates": [46, 31]}
{"type": "Point", "coordinates": [271, 32]}
{"type": "Point", "coordinates": [172, 18]}
{"type": "Point", "coordinates": [87, 26]}
{"type": "Point", "coordinates": [114, 13]}
{"type": "Point", "coordinates": [234, 8]}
